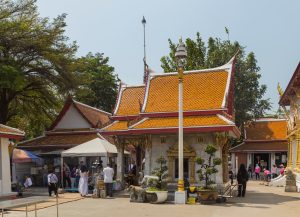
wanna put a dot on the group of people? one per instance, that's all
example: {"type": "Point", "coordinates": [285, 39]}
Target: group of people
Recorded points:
{"type": "Point", "coordinates": [83, 171]}
{"type": "Point", "coordinates": [268, 175]}
{"type": "Point", "coordinates": [244, 174]}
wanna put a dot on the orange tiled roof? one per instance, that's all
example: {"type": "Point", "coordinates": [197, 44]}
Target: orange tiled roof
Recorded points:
{"type": "Point", "coordinates": [117, 125]}
{"type": "Point", "coordinates": [190, 121]}
{"type": "Point", "coordinates": [267, 130]}
{"type": "Point", "coordinates": [10, 130]}
{"type": "Point", "coordinates": [202, 91]}
{"type": "Point", "coordinates": [132, 99]}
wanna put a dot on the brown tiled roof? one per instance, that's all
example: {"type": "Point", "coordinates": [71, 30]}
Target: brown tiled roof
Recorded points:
{"type": "Point", "coordinates": [5, 130]}
{"type": "Point", "coordinates": [117, 125]}
{"type": "Point", "coordinates": [131, 100]}
{"type": "Point", "coordinates": [95, 116]}
{"type": "Point", "coordinates": [202, 91]}
{"type": "Point", "coordinates": [261, 146]}
{"type": "Point", "coordinates": [62, 140]}
{"type": "Point", "coordinates": [267, 130]}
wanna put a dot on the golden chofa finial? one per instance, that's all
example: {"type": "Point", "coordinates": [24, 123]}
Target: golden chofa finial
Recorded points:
{"type": "Point", "coordinates": [280, 91]}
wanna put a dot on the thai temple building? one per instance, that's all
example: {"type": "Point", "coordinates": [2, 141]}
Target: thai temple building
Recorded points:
{"type": "Point", "coordinates": [7, 134]}
{"type": "Point", "coordinates": [146, 118]}
{"type": "Point", "coordinates": [265, 144]}
{"type": "Point", "coordinates": [77, 123]}
{"type": "Point", "coordinates": [291, 98]}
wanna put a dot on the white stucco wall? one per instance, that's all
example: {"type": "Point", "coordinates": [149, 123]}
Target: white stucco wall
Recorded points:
{"type": "Point", "coordinates": [5, 183]}
{"type": "Point", "coordinates": [189, 139]}
{"type": "Point", "coordinates": [72, 119]}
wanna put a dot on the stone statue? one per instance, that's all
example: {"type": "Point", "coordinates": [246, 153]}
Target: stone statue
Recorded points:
{"type": "Point", "coordinates": [137, 194]}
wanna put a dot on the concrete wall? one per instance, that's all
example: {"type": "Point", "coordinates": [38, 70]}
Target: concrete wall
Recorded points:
{"type": "Point", "coordinates": [5, 176]}
{"type": "Point", "coordinates": [189, 139]}
{"type": "Point", "coordinates": [72, 119]}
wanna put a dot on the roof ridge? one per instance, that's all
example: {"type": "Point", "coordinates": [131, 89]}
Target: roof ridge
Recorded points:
{"type": "Point", "coordinates": [90, 107]}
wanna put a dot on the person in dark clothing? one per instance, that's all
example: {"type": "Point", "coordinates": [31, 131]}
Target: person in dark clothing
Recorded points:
{"type": "Point", "coordinates": [242, 178]}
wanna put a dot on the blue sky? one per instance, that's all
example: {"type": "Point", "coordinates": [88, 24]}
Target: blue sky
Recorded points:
{"type": "Point", "coordinates": [271, 29]}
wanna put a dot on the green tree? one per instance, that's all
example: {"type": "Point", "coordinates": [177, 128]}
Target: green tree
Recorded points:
{"type": "Point", "coordinates": [99, 83]}
{"type": "Point", "coordinates": [248, 99]}
{"type": "Point", "coordinates": [36, 63]}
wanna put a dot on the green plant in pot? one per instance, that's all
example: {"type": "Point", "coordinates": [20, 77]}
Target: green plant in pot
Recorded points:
{"type": "Point", "coordinates": [157, 187]}
{"type": "Point", "coordinates": [208, 193]}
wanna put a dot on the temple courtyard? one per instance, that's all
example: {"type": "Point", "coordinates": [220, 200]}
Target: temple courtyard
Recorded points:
{"type": "Point", "coordinates": [260, 200]}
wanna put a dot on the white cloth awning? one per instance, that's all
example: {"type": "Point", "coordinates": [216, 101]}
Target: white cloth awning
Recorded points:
{"type": "Point", "coordinates": [95, 147]}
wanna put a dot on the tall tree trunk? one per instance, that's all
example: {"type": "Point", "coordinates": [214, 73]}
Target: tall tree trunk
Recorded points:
{"type": "Point", "coordinates": [4, 103]}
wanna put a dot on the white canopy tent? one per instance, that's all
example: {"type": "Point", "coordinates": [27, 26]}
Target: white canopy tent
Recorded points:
{"type": "Point", "coordinates": [95, 147]}
{"type": "Point", "coordinates": [98, 147]}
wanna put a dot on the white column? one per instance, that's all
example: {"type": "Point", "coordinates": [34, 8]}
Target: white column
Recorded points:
{"type": "Point", "coordinates": [120, 162]}
{"type": "Point", "coordinates": [249, 160]}
{"type": "Point", "coordinates": [272, 159]}
{"type": "Point", "coordinates": [5, 175]}
{"type": "Point", "coordinates": [147, 170]}
{"type": "Point", "coordinates": [233, 162]}
{"type": "Point", "coordinates": [180, 140]}
{"type": "Point", "coordinates": [219, 175]}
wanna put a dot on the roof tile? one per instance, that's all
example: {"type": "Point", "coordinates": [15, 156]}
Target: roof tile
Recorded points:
{"type": "Point", "coordinates": [131, 101]}
{"type": "Point", "coordinates": [202, 91]}
{"type": "Point", "coordinates": [267, 130]}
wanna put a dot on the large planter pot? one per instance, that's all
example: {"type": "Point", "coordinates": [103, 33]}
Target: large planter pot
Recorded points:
{"type": "Point", "coordinates": [207, 196]}
{"type": "Point", "coordinates": [156, 196]}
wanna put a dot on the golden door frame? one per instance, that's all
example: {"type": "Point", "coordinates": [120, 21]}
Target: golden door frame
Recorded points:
{"type": "Point", "coordinates": [188, 152]}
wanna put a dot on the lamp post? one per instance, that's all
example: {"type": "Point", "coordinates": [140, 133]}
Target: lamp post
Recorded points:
{"type": "Point", "coordinates": [180, 55]}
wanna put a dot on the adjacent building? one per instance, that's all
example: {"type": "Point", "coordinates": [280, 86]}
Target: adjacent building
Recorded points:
{"type": "Point", "coordinates": [265, 144]}
{"type": "Point", "coordinates": [291, 98]}
{"type": "Point", "coordinates": [6, 134]}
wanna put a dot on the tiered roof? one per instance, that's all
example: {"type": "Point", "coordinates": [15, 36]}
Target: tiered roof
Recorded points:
{"type": "Point", "coordinates": [153, 108]}
{"type": "Point", "coordinates": [10, 132]}
{"type": "Point", "coordinates": [291, 89]}
{"type": "Point", "coordinates": [267, 134]}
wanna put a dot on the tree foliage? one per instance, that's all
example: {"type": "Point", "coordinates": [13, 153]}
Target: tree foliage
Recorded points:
{"type": "Point", "coordinates": [249, 103]}
{"type": "Point", "coordinates": [36, 64]}
{"type": "Point", "coordinates": [99, 84]}
{"type": "Point", "coordinates": [38, 69]}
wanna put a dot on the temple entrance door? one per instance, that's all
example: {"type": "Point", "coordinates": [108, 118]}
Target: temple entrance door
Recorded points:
{"type": "Point", "coordinates": [185, 168]}
{"type": "Point", "coordinates": [189, 156]}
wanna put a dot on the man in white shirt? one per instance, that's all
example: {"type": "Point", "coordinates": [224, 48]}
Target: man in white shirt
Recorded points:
{"type": "Point", "coordinates": [108, 179]}
{"type": "Point", "coordinates": [52, 182]}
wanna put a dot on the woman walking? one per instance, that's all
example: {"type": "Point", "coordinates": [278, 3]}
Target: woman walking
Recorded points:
{"type": "Point", "coordinates": [257, 171]}
{"type": "Point", "coordinates": [242, 178]}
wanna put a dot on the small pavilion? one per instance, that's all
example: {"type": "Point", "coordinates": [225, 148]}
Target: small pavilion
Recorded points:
{"type": "Point", "coordinates": [146, 117]}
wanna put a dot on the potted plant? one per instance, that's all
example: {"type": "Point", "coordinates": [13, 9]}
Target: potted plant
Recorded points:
{"type": "Point", "coordinates": [157, 188]}
{"type": "Point", "coordinates": [208, 193]}
{"type": "Point", "coordinates": [19, 188]}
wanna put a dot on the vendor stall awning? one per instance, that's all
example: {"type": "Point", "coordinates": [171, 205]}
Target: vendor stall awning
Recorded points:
{"type": "Point", "coordinates": [95, 147]}
{"type": "Point", "coordinates": [22, 156]}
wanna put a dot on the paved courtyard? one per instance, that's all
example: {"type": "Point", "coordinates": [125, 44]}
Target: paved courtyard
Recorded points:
{"type": "Point", "coordinates": [259, 201]}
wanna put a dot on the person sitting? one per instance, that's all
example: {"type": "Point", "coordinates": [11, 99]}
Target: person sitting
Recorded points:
{"type": "Point", "coordinates": [28, 182]}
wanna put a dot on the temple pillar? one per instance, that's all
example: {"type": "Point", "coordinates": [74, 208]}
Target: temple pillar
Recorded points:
{"type": "Point", "coordinates": [120, 162]}
{"type": "Point", "coordinates": [148, 155]}
{"type": "Point", "coordinates": [192, 170]}
{"type": "Point", "coordinates": [297, 151]}
{"type": "Point", "coordinates": [170, 168]}
{"type": "Point", "coordinates": [5, 175]}
{"type": "Point", "coordinates": [290, 144]}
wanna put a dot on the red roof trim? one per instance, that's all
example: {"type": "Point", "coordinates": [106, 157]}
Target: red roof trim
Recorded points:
{"type": "Point", "coordinates": [283, 99]}
{"type": "Point", "coordinates": [171, 130]}
{"type": "Point", "coordinates": [11, 136]}
{"type": "Point", "coordinates": [270, 140]}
